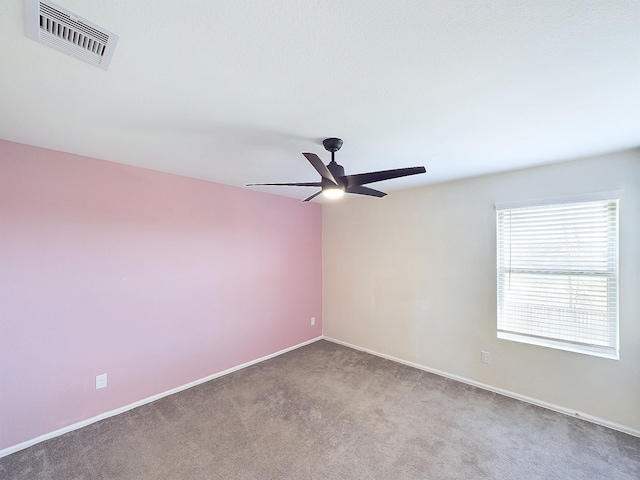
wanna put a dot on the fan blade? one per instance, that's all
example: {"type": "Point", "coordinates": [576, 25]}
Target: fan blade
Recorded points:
{"type": "Point", "coordinates": [300, 184]}
{"type": "Point", "coordinates": [365, 191]}
{"type": "Point", "coordinates": [371, 177]}
{"type": "Point", "coordinates": [312, 196]}
{"type": "Point", "coordinates": [320, 167]}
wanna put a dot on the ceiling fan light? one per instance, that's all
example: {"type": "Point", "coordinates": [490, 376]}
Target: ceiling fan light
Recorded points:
{"type": "Point", "coordinates": [333, 192]}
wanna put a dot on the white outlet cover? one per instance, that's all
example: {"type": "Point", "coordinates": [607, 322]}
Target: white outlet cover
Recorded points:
{"type": "Point", "coordinates": [313, 320]}
{"type": "Point", "coordinates": [101, 381]}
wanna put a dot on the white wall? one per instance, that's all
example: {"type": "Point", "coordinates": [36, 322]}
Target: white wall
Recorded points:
{"type": "Point", "coordinates": [413, 276]}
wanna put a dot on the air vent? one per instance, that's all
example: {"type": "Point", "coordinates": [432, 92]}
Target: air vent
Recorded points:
{"type": "Point", "coordinates": [65, 31]}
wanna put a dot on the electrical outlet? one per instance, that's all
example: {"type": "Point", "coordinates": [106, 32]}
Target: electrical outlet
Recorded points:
{"type": "Point", "coordinates": [101, 381]}
{"type": "Point", "coordinates": [485, 357]}
{"type": "Point", "coordinates": [313, 320]}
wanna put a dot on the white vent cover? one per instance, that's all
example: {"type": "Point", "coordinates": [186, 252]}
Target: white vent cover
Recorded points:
{"type": "Point", "coordinates": [65, 31]}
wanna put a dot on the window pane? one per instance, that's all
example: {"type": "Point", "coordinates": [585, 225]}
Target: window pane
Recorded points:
{"type": "Point", "coordinates": [557, 275]}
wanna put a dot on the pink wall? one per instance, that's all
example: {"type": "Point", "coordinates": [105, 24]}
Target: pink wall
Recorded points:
{"type": "Point", "coordinates": [156, 279]}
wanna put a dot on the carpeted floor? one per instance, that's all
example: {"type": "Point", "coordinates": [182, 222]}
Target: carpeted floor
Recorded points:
{"type": "Point", "coordinates": [329, 412]}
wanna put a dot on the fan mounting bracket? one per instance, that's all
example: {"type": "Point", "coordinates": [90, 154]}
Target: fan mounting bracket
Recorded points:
{"type": "Point", "coordinates": [332, 144]}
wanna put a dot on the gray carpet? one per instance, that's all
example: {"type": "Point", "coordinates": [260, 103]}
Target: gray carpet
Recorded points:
{"type": "Point", "coordinates": [329, 412]}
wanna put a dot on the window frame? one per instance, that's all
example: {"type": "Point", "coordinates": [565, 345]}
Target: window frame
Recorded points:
{"type": "Point", "coordinates": [610, 352]}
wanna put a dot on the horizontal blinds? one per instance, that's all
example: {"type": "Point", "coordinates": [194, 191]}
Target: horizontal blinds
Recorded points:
{"type": "Point", "coordinates": [557, 272]}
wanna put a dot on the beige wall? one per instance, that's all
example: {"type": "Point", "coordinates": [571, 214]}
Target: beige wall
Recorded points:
{"type": "Point", "coordinates": [413, 276]}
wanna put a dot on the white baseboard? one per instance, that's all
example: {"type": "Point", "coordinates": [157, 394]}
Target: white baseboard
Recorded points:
{"type": "Point", "coordinates": [153, 398]}
{"type": "Point", "coordinates": [506, 393]}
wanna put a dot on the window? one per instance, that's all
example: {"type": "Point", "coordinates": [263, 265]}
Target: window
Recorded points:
{"type": "Point", "coordinates": [558, 274]}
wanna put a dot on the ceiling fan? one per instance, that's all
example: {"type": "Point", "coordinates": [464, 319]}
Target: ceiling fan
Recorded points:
{"type": "Point", "coordinates": [334, 183]}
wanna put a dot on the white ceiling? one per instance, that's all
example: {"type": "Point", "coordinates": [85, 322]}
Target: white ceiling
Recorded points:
{"type": "Point", "coordinates": [233, 91]}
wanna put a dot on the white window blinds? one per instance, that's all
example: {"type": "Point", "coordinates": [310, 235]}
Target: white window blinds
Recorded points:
{"type": "Point", "coordinates": [557, 271]}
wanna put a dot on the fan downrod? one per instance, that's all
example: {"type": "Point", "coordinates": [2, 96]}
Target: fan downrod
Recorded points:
{"type": "Point", "coordinates": [332, 144]}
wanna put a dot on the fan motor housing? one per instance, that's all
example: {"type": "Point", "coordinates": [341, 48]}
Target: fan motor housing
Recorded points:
{"type": "Point", "coordinates": [336, 170]}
